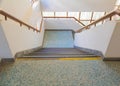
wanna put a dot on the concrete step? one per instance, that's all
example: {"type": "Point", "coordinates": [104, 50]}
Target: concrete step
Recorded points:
{"type": "Point", "coordinates": [70, 51]}
{"type": "Point", "coordinates": [58, 53]}
{"type": "Point", "coordinates": [58, 56]}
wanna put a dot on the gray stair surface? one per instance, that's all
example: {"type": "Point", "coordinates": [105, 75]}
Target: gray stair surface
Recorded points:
{"type": "Point", "coordinates": [59, 53]}
{"type": "Point", "coordinates": [58, 39]}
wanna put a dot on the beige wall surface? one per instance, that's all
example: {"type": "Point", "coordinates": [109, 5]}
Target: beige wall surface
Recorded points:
{"type": "Point", "coordinates": [15, 38]}
{"type": "Point", "coordinates": [97, 38]}
{"type": "Point", "coordinates": [78, 5]}
{"type": "Point", "coordinates": [62, 24]}
{"type": "Point", "coordinates": [22, 10]}
{"type": "Point", "coordinates": [19, 38]}
{"type": "Point", "coordinates": [113, 49]}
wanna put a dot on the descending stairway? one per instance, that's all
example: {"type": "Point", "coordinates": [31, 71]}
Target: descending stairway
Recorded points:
{"type": "Point", "coordinates": [58, 44]}
{"type": "Point", "coordinates": [59, 52]}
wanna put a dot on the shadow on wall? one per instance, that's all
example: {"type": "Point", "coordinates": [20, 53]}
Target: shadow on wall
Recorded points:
{"type": "Point", "coordinates": [5, 51]}
{"type": "Point", "coordinates": [0, 3]}
{"type": "Point", "coordinates": [45, 4]}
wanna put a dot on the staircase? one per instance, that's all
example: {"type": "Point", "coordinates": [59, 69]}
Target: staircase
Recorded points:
{"type": "Point", "coordinates": [59, 53]}
{"type": "Point", "coordinates": [58, 44]}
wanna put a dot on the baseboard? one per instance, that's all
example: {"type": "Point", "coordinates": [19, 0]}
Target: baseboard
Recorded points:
{"type": "Point", "coordinates": [59, 30]}
{"type": "Point", "coordinates": [3, 60]}
{"type": "Point", "coordinates": [111, 59]}
{"type": "Point", "coordinates": [43, 39]}
{"type": "Point", "coordinates": [95, 52]}
{"type": "Point", "coordinates": [20, 54]}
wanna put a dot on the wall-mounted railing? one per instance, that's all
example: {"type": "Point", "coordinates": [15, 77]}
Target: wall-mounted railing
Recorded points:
{"type": "Point", "coordinates": [84, 17]}
{"type": "Point", "coordinates": [68, 18]}
{"type": "Point", "coordinates": [6, 15]}
{"type": "Point", "coordinates": [107, 16]}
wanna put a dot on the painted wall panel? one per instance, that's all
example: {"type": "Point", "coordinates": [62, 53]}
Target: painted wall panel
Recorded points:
{"type": "Point", "coordinates": [96, 38]}
{"type": "Point", "coordinates": [78, 5]}
{"type": "Point", "coordinates": [62, 24]}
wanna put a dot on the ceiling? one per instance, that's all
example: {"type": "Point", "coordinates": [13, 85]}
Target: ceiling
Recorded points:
{"type": "Point", "coordinates": [77, 5]}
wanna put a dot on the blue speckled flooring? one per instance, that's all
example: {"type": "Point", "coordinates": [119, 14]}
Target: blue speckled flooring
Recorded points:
{"type": "Point", "coordinates": [60, 73]}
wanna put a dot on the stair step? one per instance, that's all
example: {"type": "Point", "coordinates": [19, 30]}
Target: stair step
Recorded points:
{"type": "Point", "coordinates": [61, 53]}
{"type": "Point", "coordinates": [58, 53]}
{"type": "Point", "coordinates": [58, 56]}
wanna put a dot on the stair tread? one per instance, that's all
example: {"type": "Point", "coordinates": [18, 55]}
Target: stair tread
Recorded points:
{"type": "Point", "coordinates": [52, 56]}
{"type": "Point", "coordinates": [59, 52]}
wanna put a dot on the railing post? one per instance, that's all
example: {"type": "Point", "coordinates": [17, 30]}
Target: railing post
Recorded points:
{"type": "Point", "coordinates": [66, 14]}
{"type": "Point", "coordinates": [104, 19]}
{"type": "Point", "coordinates": [20, 24]}
{"type": "Point", "coordinates": [87, 27]}
{"type": "Point", "coordinates": [28, 28]}
{"type": "Point", "coordinates": [54, 14]}
{"type": "Point", "coordinates": [33, 30]}
{"type": "Point", "coordinates": [95, 24]}
{"type": "Point", "coordinates": [5, 18]}
{"type": "Point", "coordinates": [110, 18]}
{"type": "Point", "coordinates": [79, 15]}
{"type": "Point", "coordinates": [92, 17]}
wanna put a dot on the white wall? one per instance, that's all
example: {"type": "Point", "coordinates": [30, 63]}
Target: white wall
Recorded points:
{"type": "Point", "coordinates": [22, 10]}
{"type": "Point", "coordinates": [18, 38]}
{"type": "Point", "coordinates": [55, 23]}
{"type": "Point", "coordinates": [96, 38]}
{"type": "Point", "coordinates": [18, 8]}
{"type": "Point", "coordinates": [78, 5]}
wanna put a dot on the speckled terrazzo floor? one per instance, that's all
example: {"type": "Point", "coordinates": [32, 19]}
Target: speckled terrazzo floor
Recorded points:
{"type": "Point", "coordinates": [60, 73]}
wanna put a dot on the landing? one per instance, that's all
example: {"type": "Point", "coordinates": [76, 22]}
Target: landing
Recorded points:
{"type": "Point", "coordinates": [58, 39]}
